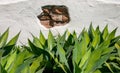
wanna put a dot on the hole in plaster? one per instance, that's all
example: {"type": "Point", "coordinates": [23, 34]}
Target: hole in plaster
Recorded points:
{"type": "Point", "coordinates": [54, 15]}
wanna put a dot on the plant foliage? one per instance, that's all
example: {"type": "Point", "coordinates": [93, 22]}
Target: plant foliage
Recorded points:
{"type": "Point", "coordinates": [91, 51]}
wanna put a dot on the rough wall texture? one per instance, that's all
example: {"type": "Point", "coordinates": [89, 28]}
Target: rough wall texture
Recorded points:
{"type": "Point", "coordinates": [21, 15]}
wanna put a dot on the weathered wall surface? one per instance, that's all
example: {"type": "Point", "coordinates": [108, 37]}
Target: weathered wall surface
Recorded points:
{"type": "Point", "coordinates": [21, 15]}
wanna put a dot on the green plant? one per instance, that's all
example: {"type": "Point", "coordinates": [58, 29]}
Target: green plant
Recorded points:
{"type": "Point", "coordinates": [91, 51]}
{"type": "Point", "coordinates": [6, 49]}
{"type": "Point", "coordinates": [87, 53]}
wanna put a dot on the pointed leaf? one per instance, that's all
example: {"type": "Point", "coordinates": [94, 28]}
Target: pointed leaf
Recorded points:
{"type": "Point", "coordinates": [114, 40]}
{"type": "Point", "coordinates": [115, 65]}
{"type": "Point", "coordinates": [51, 41]}
{"type": "Point", "coordinates": [94, 57]}
{"type": "Point", "coordinates": [76, 68]}
{"type": "Point", "coordinates": [18, 61]}
{"type": "Point", "coordinates": [13, 40]}
{"type": "Point", "coordinates": [74, 35]}
{"type": "Point", "coordinates": [42, 39]}
{"type": "Point", "coordinates": [99, 63]}
{"type": "Point", "coordinates": [62, 39]}
{"type": "Point", "coordinates": [10, 45]}
{"type": "Point", "coordinates": [37, 63]}
{"type": "Point", "coordinates": [91, 32]}
{"type": "Point", "coordinates": [22, 68]}
{"type": "Point", "coordinates": [81, 34]}
{"type": "Point", "coordinates": [77, 53]}
{"type": "Point", "coordinates": [109, 67]}
{"type": "Point", "coordinates": [37, 43]}
{"type": "Point", "coordinates": [95, 37]}
{"type": "Point", "coordinates": [112, 35]}
{"type": "Point", "coordinates": [3, 38]}
{"type": "Point", "coordinates": [85, 58]}
{"type": "Point", "coordinates": [79, 50]}
{"type": "Point", "coordinates": [2, 70]}
{"type": "Point", "coordinates": [10, 60]}
{"type": "Point", "coordinates": [86, 38]}
{"type": "Point", "coordinates": [97, 71]}
{"type": "Point", "coordinates": [61, 53]}
{"type": "Point", "coordinates": [37, 51]}
{"type": "Point", "coordinates": [40, 70]}
{"type": "Point", "coordinates": [105, 32]}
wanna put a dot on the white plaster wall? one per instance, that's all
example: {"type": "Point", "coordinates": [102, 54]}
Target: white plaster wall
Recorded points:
{"type": "Point", "coordinates": [21, 15]}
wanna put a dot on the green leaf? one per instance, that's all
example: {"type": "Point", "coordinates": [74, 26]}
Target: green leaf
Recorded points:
{"type": "Point", "coordinates": [81, 34]}
{"type": "Point", "coordinates": [33, 48]}
{"type": "Point", "coordinates": [13, 40]}
{"type": "Point", "coordinates": [115, 65]}
{"type": "Point", "coordinates": [23, 68]}
{"type": "Point", "coordinates": [10, 60]}
{"type": "Point", "coordinates": [94, 57]}
{"type": "Point", "coordinates": [115, 40]}
{"type": "Point", "coordinates": [42, 39]}
{"type": "Point", "coordinates": [86, 38]}
{"type": "Point", "coordinates": [8, 49]}
{"type": "Point", "coordinates": [37, 43]}
{"type": "Point", "coordinates": [37, 63]}
{"type": "Point", "coordinates": [27, 53]}
{"type": "Point", "coordinates": [76, 68]}
{"type": "Point", "coordinates": [109, 67]}
{"type": "Point", "coordinates": [97, 71]}
{"type": "Point", "coordinates": [2, 70]}
{"type": "Point", "coordinates": [105, 43]}
{"type": "Point", "coordinates": [98, 30]}
{"type": "Point", "coordinates": [51, 41]}
{"type": "Point", "coordinates": [67, 34]}
{"type": "Point", "coordinates": [96, 37]}
{"type": "Point", "coordinates": [1, 53]}
{"type": "Point", "coordinates": [91, 32]}
{"type": "Point", "coordinates": [4, 60]}
{"type": "Point", "coordinates": [10, 45]}
{"type": "Point", "coordinates": [101, 61]}
{"type": "Point", "coordinates": [18, 61]}
{"type": "Point", "coordinates": [111, 35]}
{"type": "Point", "coordinates": [85, 58]}
{"type": "Point", "coordinates": [3, 38]}
{"type": "Point", "coordinates": [118, 48]}
{"type": "Point", "coordinates": [62, 39]}
{"type": "Point", "coordinates": [40, 70]}
{"type": "Point", "coordinates": [74, 35]}
{"type": "Point", "coordinates": [108, 50]}
{"type": "Point", "coordinates": [96, 41]}
{"type": "Point", "coordinates": [70, 39]}
{"type": "Point", "coordinates": [61, 53]}
{"type": "Point", "coordinates": [77, 52]}
{"type": "Point", "coordinates": [80, 48]}
{"type": "Point", "coordinates": [37, 51]}
{"type": "Point", "coordinates": [105, 32]}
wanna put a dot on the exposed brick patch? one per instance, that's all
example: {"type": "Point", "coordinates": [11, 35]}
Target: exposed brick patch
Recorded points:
{"type": "Point", "coordinates": [54, 15]}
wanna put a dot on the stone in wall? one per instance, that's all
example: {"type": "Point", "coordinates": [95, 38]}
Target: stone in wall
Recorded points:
{"type": "Point", "coordinates": [54, 15]}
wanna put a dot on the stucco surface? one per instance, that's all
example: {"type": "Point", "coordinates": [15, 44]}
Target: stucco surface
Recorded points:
{"type": "Point", "coordinates": [21, 15]}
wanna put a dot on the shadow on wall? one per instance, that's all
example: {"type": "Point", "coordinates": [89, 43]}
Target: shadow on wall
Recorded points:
{"type": "Point", "coordinates": [54, 15]}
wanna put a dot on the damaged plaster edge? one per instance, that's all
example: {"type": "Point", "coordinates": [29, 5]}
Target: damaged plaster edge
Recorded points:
{"type": "Point", "coordinates": [5, 2]}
